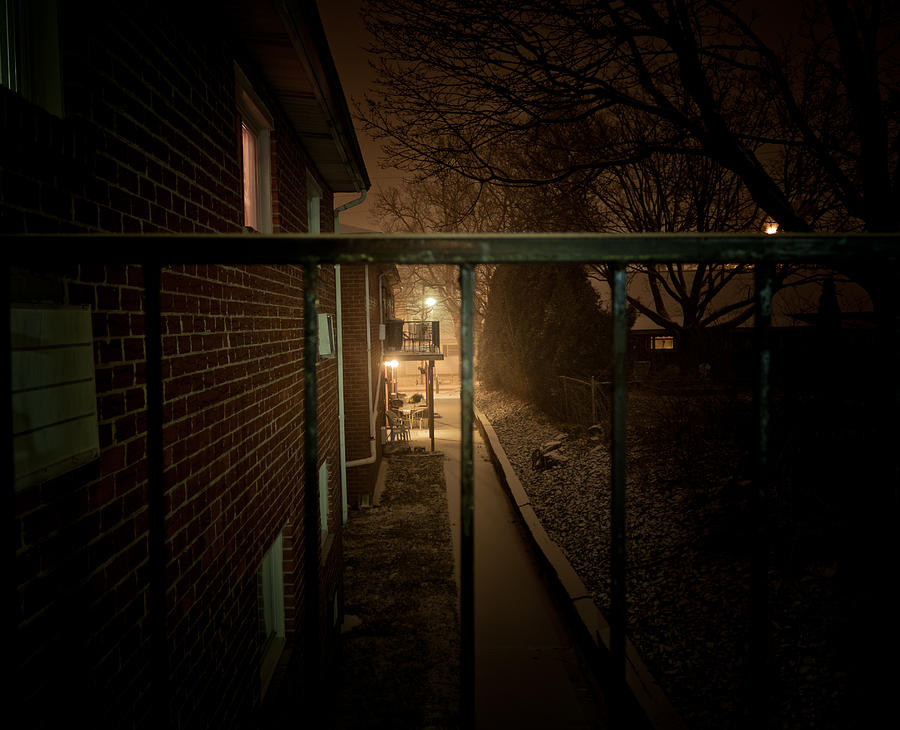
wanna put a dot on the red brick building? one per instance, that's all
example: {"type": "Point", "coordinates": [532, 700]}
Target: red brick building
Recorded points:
{"type": "Point", "coordinates": [177, 118]}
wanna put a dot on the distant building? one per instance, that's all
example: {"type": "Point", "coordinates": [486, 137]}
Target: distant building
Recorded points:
{"type": "Point", "coordinates": [181, 118]}
{"type": "Point", "coordinates": [816, 303]}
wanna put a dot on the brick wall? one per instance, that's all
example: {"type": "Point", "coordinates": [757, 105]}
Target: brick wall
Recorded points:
{"type": "Point", "coordinates": [361, 479]}
{"type": "Point", "coordinates": [150, 142]}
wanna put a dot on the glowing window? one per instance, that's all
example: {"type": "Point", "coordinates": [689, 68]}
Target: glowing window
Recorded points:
{"type": "Point", "coordinates": [251, 177]}
{"type": "Point", "coordinates": [256, 126]}
{"type": "Point", "coordinates": [662, 342]}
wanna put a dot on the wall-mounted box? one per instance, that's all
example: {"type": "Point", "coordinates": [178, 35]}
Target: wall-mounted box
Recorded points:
{"type": "Point", "coordinates": [326, 335]}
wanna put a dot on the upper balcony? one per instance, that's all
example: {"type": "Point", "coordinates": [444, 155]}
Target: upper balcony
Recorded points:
{"type": "Point", "coordinates": [413, 339]}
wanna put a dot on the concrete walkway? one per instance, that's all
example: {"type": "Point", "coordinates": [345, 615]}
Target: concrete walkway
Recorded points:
{"type": "Point", "coordinates": [527, 670]}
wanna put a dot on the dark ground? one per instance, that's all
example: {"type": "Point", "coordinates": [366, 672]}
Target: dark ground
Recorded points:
{"type": "Point", "coordinates": [400, 665]}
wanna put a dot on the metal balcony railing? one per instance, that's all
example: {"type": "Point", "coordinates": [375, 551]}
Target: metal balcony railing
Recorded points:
{"type": "Point", "coordinates": [413, 337]}
{"type": "Point", "coordinates": [881, 251]}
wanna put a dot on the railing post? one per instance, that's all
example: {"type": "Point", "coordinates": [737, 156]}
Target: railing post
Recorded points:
{"type": "Point", "coordinates": [617, 504]}
{"type": "Point", "coordinates": [467, 499]}
{"type": "Point", "coordinates": [312, 649]}
{"type": "Point", "coordinates": [430, 377]}
{"type": "Point", "coordinates": [156, 497]}
{"type": "Point", "coordinates": [757, 664]}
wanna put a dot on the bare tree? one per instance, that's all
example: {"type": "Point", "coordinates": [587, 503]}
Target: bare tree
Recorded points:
{"type": "Point", "coordinates": [444, 202]}
{"type": "Point", "coordinates": [462, 83]}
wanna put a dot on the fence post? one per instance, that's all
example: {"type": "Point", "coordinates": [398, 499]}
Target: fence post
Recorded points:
{"type": "Point", "coordinates": [594, 418]}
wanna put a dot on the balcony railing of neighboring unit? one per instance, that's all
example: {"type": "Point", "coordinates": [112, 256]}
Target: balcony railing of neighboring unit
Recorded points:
{"type": "Point", "coordinates": [413, 336]}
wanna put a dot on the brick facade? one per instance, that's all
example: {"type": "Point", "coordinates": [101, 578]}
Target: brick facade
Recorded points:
{"type": "Point", "coordinates": [357, 391]}
{"type": "Point", "coordinates": [150, 142]}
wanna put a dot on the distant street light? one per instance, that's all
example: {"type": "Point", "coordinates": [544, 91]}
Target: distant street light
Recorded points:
{"type": "Point", "coordinates": [772, 228]}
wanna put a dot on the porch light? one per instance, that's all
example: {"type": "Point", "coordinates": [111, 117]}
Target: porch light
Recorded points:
{"type": "Point", "coordinates": [391, 363]}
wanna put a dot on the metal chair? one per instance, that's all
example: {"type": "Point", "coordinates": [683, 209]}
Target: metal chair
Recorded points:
{"type": "Point", "coordinates": [399, 426]}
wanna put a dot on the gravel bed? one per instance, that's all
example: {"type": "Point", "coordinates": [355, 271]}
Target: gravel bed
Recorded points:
{"type": "Point", "coordinates": [688, 560]}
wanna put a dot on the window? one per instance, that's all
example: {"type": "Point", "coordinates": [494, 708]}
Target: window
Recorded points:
{"type": "Point", "coordinates": [53, 392]}
{"type": "Point", "coordinates": [324, 506]}
{"type": "Point", "coordinates": [272, 601]}
{"type": "Point", "coordinates": [256, 126]}
{"type": "Point", "coordinates": [250, 148]}
{"type": "Point", "coordinates": [29, 51]}
{"type": "Point", "coordinates": [313, 205]}
{"type": "Point", "coordinates": [662, 342]}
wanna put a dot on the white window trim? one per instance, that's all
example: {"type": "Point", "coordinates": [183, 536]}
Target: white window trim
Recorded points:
{"type": "Point", "coordinates": [258, 119]}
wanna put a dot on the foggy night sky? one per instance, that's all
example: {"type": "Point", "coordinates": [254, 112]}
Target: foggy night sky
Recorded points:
{"type": "Point", "coordinates": [347, 38]}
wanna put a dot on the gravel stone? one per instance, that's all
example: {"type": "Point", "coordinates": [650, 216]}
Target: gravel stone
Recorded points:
{"type": "Point", "coordinates": [688, 556]}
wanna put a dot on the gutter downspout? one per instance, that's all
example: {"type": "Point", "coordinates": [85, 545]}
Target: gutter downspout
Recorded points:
{"type": "Point", "coordinates": [342, 458]}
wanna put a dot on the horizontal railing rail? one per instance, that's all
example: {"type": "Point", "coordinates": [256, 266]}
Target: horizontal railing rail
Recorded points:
{"type": "Point", "coordinates": [446, 248]}
{"type": "Point", "coordinates": [465, 250]}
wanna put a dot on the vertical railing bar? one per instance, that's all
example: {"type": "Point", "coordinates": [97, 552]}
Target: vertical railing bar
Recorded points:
{"type": "Point", "coordinates": [759, 577]}
{"type": "Point", "coordinates": [312, 647]}
{"type": "Point", "coordinates": [617, 502]}
{"type": "Point", "coordinates": [12, 537]}
{"type": "Point", "coordinates": [156, 498]}
{"type": "Point", "coordinates": [467, 499]}
{"type": "Point", "coordinates": [430, 376]}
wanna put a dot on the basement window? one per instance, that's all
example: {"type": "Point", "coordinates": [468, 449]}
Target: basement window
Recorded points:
{"type": "Point", "coordinates": [54, 395]}
{"type": "Point", "coordinates": [272, 602]}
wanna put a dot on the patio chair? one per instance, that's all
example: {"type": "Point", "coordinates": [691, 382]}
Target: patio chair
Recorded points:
{"type": "Point", "coordinates": [399, 426]}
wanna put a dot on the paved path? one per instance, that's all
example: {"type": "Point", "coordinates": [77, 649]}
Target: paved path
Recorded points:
{"type": "Point", "coordinates": [527, 671]}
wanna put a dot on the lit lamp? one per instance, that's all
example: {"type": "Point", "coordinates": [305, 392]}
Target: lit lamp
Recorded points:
{"type": "Point", "coordinates": [771, 228]}
{"type": "Point", "coordinates": [392, 381]}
